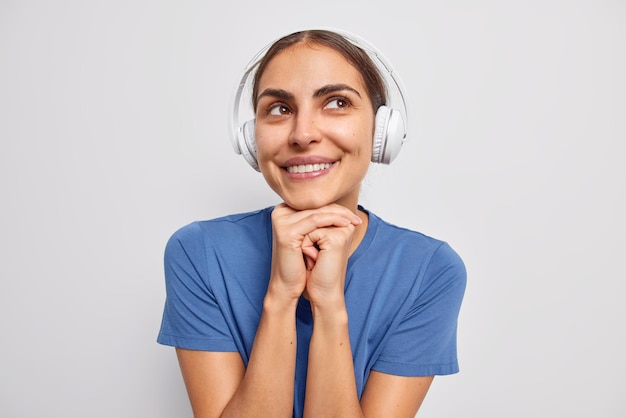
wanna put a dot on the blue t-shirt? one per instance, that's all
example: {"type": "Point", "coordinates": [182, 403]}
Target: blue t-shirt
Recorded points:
{"type": "Point", "coordinates": [403, 293]}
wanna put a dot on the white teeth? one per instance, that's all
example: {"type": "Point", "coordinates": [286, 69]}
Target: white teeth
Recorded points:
{"type": "Point", "coordinates": [308, 168]}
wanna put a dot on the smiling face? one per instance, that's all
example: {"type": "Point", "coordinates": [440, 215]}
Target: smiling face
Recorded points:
{"type": "Point", "coordinates": [314, 127]}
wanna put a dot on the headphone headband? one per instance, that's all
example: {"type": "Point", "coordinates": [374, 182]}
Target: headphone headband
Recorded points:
{"type": "Point", "coordinates": [240, 131]}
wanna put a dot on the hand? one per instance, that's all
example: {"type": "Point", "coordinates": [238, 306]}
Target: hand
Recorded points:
{"type": "Point", "coordinates": [327, 250]}
{"type": "Point", "coordinates": [300, 237]}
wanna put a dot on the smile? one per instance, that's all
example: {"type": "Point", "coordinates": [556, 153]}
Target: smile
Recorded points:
{"type": "Point", "coordinates": [308, 168]}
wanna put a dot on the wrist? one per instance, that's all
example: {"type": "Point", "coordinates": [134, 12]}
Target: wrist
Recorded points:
{"type": "Point", "coordinates": [331, 309]}
{"type": "Point", "coordinates": [278, 300]}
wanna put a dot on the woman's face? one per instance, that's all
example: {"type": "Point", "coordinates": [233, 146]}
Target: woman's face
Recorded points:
{"type": "Point", "coordinates": [314, 127]}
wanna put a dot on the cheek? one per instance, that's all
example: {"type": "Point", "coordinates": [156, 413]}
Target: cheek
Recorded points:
{"type": "Point", "coordinates": [359, 135]}
{"type": "Point", "coordinates": [263, 144]}
{"type": "Point", "coordinates": [268, 138]}
{"type": "Point", "coordinates": [360, 142]}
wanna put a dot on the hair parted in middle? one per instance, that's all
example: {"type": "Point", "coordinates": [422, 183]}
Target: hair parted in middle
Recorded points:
{"type": "Point", "coordinates": [355, 55]}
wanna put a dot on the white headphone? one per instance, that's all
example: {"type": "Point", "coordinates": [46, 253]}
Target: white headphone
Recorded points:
{"type": "Point", "coordinates": [390, 124]}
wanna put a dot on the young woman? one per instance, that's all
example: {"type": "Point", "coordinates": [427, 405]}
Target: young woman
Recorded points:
{"type": "Point", "coordinates": [314, 307]}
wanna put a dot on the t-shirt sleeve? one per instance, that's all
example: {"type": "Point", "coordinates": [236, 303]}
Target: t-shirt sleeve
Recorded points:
{"type": "Point", "coordinates": [191, 316]}
{"type": "Point", "coordinates": [425, 341]}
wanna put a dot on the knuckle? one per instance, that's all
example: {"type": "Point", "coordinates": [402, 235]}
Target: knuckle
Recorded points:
{"type": "Point", "coordinates": [315, 218]}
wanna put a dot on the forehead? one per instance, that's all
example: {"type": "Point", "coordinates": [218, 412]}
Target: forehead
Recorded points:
{"type": "Point", "coordinates": [310, 64]}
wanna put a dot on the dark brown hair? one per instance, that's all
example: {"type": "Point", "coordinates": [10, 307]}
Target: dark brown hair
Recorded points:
{"type": "Point", "coordinates": [355, 55]}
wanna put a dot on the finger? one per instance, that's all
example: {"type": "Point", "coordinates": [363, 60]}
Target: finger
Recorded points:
{"type": "Point", "coordinates": [309, 262]}
{"type": "Point", "coordinates": [283, 210]}
{"type": "Point", "coordinates": [317, 221]}
{"type": "Point", "coordinates": [310, 250]}
{"type": "Point", "coordinates": [294, 234]}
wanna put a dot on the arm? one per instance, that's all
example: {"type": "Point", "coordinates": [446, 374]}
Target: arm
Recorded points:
{"type": "Point", "coordinates": [331, 387]}
{"type": "Point", "coordinates": [427, 334]}
{"type": "Point", "coordinates": [211, 379]}
{"type": "Point", "coordinates": [266, 389]}
{"type": "Point", "coordinates": [386, 395]}
{"type": "Point", "coordinates": [219, 385]}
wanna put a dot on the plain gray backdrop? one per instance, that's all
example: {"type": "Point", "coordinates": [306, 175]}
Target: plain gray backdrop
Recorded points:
{"type": "Point", "coordinates": [113, 129]}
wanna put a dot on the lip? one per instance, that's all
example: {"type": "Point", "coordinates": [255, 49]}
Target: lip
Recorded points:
{"type": "Point", "coordinates": [324, 166]}
{"type": "Point", "coordinates": [313, 159]}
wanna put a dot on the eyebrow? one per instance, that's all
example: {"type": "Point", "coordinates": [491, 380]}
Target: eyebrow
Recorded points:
{"type": "Point", "coordinates": [332, 88]}
{"type": "Point", "coordinates": [322, 91]}
{"type": "Point", "coordinates": [277, 93]}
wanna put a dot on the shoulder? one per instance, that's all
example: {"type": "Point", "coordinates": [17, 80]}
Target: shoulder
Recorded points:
{"type": "Point", "coordinates": [225, 229]}
{"type": "Point", "coordinates": [392, 235]}
{"type": "Point", "coordinates": [230, 223]}
{"type": "Point", "coordinates": [434, 255]}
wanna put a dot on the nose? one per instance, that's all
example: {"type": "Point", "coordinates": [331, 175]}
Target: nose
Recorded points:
{"type": "Point", "coordinates": [305, 130]}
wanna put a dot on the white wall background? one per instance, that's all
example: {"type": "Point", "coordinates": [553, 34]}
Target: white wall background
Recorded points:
{"type": "Point", "coordinates": [113, 133]}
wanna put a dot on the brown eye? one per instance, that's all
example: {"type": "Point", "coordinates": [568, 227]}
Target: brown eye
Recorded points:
{"type": "Point", "coordinates": [337, 103]}
{"type": "Point", "coordinates": [278, 110]}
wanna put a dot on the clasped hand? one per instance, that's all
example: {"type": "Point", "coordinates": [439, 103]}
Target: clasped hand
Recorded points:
{"type": "Point", "coordinates": [311, 250]}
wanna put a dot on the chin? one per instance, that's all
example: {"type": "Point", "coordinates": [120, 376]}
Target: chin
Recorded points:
{"type": "Point", "coordinates": [316, 198]}
{"type": "Point", "coordinates": [304, 204]}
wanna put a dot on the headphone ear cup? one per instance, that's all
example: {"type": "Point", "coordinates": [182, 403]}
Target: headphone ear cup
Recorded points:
{"type": "Point", "coordinates": [380, 133]}
{"type": "Point", "coordinates": [247, 143]}
{"type": "Point", "coordinates": [396, 136]}
{"type": "Point", "coordinates": [389, 135]}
